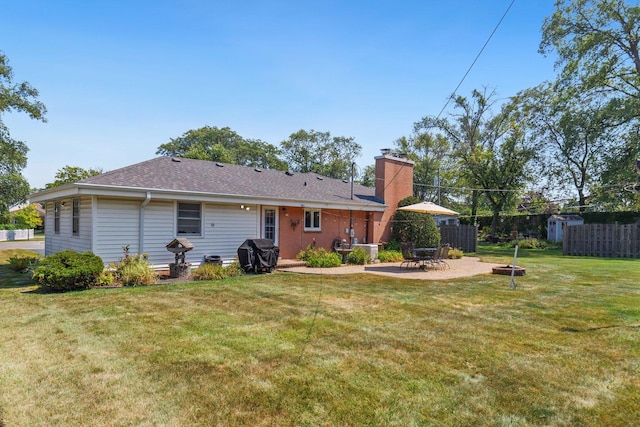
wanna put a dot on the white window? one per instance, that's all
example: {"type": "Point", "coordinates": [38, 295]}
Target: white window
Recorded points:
{"type": "Point", "coordinates": [189, 219]}
{"type": "Point", "coordinates": [312, 219]}
{"type": "Point", "coordinates": [56, 217]}
{"type": "Point", "coordinates": [75, 217]}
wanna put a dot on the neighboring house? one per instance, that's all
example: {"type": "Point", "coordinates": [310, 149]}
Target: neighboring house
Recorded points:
{"type": "Point", "coordinates": [557, 223]}
{"type": "Point", "coordinates": [217, 207]}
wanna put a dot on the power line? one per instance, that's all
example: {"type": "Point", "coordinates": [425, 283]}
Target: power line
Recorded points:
{"type": "Point", "coordinates": [477, 57]}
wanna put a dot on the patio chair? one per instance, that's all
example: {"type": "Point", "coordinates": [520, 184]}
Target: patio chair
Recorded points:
{"type": "Point", "coordinates": [444, 255]}
{"type": "Point", "coordinates": [409, 257]}
{"type": "Point", "coordinates": [432, 261]}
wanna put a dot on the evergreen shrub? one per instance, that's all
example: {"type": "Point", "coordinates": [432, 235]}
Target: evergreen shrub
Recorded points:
{"type": "Point", "coordinates": [68, 271]}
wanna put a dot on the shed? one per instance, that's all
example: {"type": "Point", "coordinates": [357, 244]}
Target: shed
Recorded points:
{"type": "Point", "coordinates": [557, 223]}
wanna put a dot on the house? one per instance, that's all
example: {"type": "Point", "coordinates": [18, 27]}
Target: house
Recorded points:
{"type": "Point", "coordinates": [557, 223]}
{"type": "Point", "coordinates": [217, 206]}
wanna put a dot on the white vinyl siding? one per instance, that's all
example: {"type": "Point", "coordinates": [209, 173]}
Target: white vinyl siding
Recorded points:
{"type": "Point", "coordinates": [64, 239]}
{"type": "Point", "coordinates": [159, 231]}
{"type": "Point", "coordinates": [117, 223]}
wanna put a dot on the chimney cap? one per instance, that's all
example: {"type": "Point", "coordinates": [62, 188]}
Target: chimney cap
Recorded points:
{"type": "Point", "coordinates": [385, 151]}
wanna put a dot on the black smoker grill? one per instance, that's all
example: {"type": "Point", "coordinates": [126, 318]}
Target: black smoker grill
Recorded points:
{"type": "Point", "coordinates": [257, 255]}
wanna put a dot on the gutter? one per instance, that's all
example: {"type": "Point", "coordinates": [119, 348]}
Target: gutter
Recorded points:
{"type": "Point", "coordinates": [144, 203]}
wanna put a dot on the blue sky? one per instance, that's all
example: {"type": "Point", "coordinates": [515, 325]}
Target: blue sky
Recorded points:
{"type": "Point", "coordinates": [120, 78]}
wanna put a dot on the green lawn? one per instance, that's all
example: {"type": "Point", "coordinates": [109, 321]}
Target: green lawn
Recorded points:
{"type": "Point", "coordinates": [563, 349]}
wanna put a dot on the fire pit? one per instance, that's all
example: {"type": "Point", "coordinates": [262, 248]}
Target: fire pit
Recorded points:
{"type": "Point", "coordinates": [179, 268]}
{"type": "Point", "coordinates": [507, 269]}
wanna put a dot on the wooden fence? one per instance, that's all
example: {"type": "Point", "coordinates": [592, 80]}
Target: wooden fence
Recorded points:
{"type": "Point", "coordinates": [464, 237]}
{"type": "Point", "coordinates": [602, 240]}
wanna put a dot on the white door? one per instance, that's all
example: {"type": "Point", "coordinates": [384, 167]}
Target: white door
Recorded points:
{"type": "Point", "coordinates": [270, 223]}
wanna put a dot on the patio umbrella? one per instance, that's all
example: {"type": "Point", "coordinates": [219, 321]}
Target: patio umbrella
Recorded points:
{"type": "Point", "coordinates": [428, 207]}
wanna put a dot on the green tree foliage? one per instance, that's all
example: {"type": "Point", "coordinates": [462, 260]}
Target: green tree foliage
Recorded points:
{"type": "Point", "coordinates": [414, 227]}
{"type": "Point", "coordinates": [14, 97]}
{"type": "Point", "coordinates": [434, 172]}
{"type": "Point", "coordinates": [368, 177]}
{"type": "Point", "coordinates": [597, 43]}
{"type": "Point", "coordinates": [491, 150]}
{"type": "Point", "coordinates": [573, 133]}
{"type": "Point", "coordinates": [223, 145]}
{"type": "Point", "coordinates": [27, 218]}
{"type": "Point", "coordinates": [72, 174]}
{"type": "Point", "coordinates": [319, 152]}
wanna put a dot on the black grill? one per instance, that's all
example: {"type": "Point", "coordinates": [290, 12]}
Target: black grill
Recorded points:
{"type": "Point", "coordinates": [258, 255]}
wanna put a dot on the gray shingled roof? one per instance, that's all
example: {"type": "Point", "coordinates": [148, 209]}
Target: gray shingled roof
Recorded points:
{"type": "Point", "coordinates": [201, 176]}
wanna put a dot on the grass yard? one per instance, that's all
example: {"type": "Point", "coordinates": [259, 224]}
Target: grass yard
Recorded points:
{"type": "Point", "coordinates": [563, 349]}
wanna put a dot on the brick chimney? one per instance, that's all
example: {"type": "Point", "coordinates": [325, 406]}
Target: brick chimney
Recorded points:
{"type": "Point", "coordinates": [394, 182]}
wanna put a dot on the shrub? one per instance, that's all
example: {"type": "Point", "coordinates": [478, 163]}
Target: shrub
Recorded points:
{"type": "Point", "coordinates": [310, 252]}
{"type": "Point", "coordinates": [325, 259]}
{"type": "Point", "coordinates": [68, 270]}
{"type": "Point", "coordinates": [215, 272]}
{"type": "Point", "coordinates": [531, 243]}
{"type": "Point", "coordinates": [134, 270]}
{"type": "Point", "coordinates": [415, 227]}
{"type": "Point", "coordinates": [390, 256]}
{"type": "Point", "coordinates": [358, 256]}
{"type": "Point", "coordinates": [393, 245]}
{"type": "Point", "coordinates": [23, 263]}
{"type": "Point", "coordinates": [455, 253]}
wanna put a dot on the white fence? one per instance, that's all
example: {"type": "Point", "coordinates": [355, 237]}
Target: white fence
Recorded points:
{"type": "Point", "coordinates": [16, 235]}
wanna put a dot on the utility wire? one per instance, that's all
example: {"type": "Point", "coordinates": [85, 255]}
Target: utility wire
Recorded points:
{"type": "Point", "coordinates": [476, 58]}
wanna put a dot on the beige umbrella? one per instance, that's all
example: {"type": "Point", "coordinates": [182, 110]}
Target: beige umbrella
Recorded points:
{"type": "Point", "coordinates": [428, 207]}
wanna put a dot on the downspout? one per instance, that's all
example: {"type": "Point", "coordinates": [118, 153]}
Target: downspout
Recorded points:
{"type": "Point", "coordinates": [144, 203]}
{"type": "Point", "coordinates": [351, 211]}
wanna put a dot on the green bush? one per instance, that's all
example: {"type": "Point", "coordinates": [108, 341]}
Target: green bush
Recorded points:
{"type": "Point", "coordinates": [455, 253]}
{"type": "Point", "coordinates": [390, 256]}
{"type": "Point", "coordinates": [414, 227]}
{"type": "Point", "coordinates": [529, 244]}
{"type": "Point", "coordinates": [325, 260]}
{"type": "Point", "coordinates": [358, 256]}
{"type": "Point", "coordinates": [310, 252]}
{"type": "Point", "coordinates": [68, 270]}
{"type": "Point", "coordinates": [215, 272]}
{"type": "Point", "coordinates": [23, 263]}
{"type": "Point", "coordinates": [393, 245]}
{"type": "Point", "coordinates": [134, 270]}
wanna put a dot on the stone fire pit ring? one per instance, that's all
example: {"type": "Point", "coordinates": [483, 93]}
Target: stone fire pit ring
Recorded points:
{"type": "Point", "coordinates": [506, 270]}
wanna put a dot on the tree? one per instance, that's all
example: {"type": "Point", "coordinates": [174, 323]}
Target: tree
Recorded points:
{"type": "Point", "coordinates": [368, 177]}
{"type": "Point", "coordinates": [19, 97]}
{"type": "Point", "coordinates": [28, 217]}
{"type": "Point", "coordinates": [431, 154]}
{"type": "Point", "coordinates": [223, 145]}
{"type": "Point", "coordinates": [491, 150]}
{"type": "Point", "coordinates": [72, 174]}
{"type": "Point", "coordinates": [573, 132]}
{"type": "Point", "coordinates": [414, 227]}
{"type": "Point", "coordinates": [597, 43]}
{"type": "Point", "coordinates": [319, 152]}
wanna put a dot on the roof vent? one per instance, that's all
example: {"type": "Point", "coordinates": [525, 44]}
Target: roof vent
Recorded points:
{"type": "Point", "coordinates": [345, 181]}
{"type": "Point", "coordinates": [175, 159]}
{"type": "Point", "coordinates": [319, 177]}
{"type": "Point", "coordinates": [305, 183]}
{"type": "Point", "coordinates": [220, 165]}
{"type": "Point", "coordinates": [288, 173]}
{"type": "Point", "coordinates": [257, 169]}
